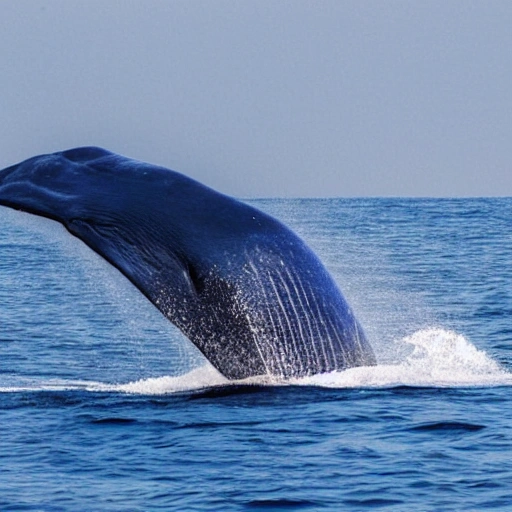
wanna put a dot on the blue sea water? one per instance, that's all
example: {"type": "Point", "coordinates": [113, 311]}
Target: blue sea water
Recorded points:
{"type": "Point", "coordinates": [105, 406]}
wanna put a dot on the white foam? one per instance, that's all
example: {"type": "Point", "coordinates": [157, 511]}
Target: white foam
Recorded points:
{"type": "Point", "coordinates": [31, 385]}
{"type": "Point", "coordinates": [204, 377]}
{"type": "Point", "coordinates": [437, 358]}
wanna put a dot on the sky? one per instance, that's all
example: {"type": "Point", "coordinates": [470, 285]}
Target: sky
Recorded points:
{"type": "Point", "coordinates": [269, 98]}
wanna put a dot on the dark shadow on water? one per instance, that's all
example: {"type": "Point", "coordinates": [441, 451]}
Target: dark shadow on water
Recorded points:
{"type": "Point", "coordinates": [448, 426]}
{"type": "Point", "coordinates": [282, 504]}
{"type": "Point", "coordinates": [229, 390]}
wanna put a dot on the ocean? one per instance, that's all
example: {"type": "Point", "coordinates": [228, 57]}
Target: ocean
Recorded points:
{"type": "Point", "coordinates": [105, 406]}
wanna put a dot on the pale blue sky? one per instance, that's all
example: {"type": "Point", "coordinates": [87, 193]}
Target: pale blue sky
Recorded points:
{"type": "Point", "coordinates": [269, 98]}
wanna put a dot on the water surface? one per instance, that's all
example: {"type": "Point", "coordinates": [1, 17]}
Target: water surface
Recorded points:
{"type": "Point", "coordinates": [106, 406]}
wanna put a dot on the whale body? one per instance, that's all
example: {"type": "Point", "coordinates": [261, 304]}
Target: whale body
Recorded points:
{"type": "Point", "coordinates": [240, 285]}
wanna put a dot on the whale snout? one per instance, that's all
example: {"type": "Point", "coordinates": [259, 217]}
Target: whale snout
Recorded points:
{"type": "Point", "coordinates": [44, 186]}
{"type": "Point", "coordinates": [62, 172]}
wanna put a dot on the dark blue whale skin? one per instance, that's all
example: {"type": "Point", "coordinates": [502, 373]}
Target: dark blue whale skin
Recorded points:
{"type": "Point", "coordinates": [240, 285]}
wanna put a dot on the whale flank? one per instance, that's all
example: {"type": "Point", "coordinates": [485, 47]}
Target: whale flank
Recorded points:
{"type": "Point", "coordinates": [239, 284]}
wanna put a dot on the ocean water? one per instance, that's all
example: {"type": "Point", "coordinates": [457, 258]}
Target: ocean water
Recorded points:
{"type": "Point", "coordinates": [104, 405]}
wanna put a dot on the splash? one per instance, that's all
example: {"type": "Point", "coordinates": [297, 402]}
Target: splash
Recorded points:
{"type": "Point", "coordinates": [203, 377]}
{"type": "Point", "coordinates": [436, 358]}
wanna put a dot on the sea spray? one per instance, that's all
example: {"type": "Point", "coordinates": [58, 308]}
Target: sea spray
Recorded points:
{"type": "Point", "coordinates": [439, 358]}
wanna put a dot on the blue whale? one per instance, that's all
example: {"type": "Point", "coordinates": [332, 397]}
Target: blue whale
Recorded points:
{"type": "Point", "coordinates": [240, 285]}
